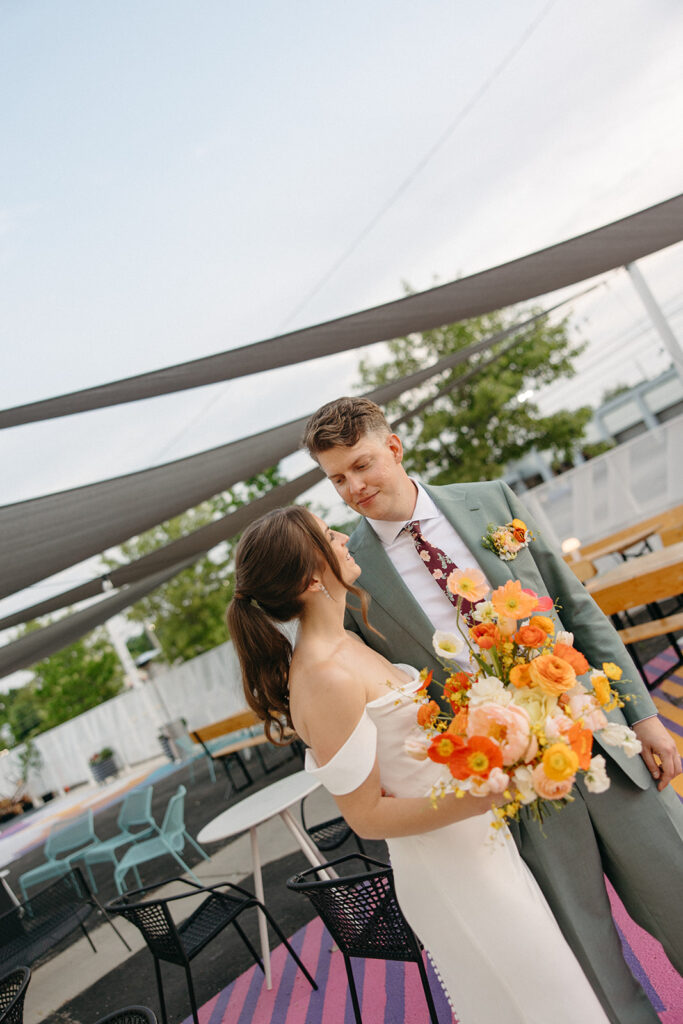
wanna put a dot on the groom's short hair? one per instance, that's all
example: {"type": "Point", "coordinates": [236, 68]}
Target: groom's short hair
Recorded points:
{"type": "Point", "coordinates": [342, 423]}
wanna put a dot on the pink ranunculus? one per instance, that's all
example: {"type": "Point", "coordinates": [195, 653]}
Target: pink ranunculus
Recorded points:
{"type": "Point", "coordinates": [507, 725]}
{"type": "Point", "coordinates": [584, 706]}
{"type": "Point", "coordinates": [543, 604]}
{"type": "Point", "coordinates": [531, 750]}
{"type": "Point", "coordinates": [547, 788]}
{"type": "Point", "coordinates": [556, 725]}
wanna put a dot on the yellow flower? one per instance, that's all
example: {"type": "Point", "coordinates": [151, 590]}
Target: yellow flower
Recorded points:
{"type": "Point", "coordinates": [601, 688]}
{"type": "Point", "coordinates": [543, 622]}
{"type": "Point", "coordinates": [611, 670]}
{"type": "Point", "coordinates": [560, 762]}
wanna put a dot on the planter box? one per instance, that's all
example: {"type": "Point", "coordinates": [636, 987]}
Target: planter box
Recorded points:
{"type": "Point", "coordinates": [101, 770]}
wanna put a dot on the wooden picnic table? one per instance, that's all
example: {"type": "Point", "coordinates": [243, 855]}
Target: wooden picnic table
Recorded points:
{"type": "Point", "coordinates": [667, 524]}
{"type": "Point", "coordinates": [640, 581]}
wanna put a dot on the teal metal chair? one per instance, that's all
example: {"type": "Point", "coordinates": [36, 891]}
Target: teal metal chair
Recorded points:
{"type": "Point", "coordinates": [135, 814]}
{"type": "Point", "coordinates": [194, 752]}
{"type": "Point", "coordinates": [63, 844]}
{"type": "Point", "coordinates": [171, 841]}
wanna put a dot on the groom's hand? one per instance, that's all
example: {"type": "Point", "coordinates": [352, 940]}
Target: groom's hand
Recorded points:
{"type": "Point", "coordinates": [658, 743]}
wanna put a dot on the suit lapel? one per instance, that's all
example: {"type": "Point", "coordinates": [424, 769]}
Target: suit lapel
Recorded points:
{"type": "Point", "coordinates": [463, 510]}
{"type": "Point", "coordinates": [385, 586]}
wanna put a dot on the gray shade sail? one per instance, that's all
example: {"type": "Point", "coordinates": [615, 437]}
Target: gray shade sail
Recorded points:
{"type": "Point", "coordinates": [42, 536]}
{"type": "Point", "coordinates": [192, 546]}
{"type": "Point", "coordinates": [540, 273]}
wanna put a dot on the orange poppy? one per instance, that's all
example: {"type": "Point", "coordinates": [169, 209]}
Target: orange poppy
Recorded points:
{"type": "Point", "coordinates": [443, 747]}
{"type": "Point", "coordinates": [477, 757]}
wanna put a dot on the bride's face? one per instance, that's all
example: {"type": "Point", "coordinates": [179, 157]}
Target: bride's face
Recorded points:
{"type": "Point", "coordinates": [348, 568]}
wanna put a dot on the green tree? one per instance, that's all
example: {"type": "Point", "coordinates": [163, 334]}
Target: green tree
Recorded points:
{"type": "Point", "coordinates": [486, 422]}
{"type": "Point", "coordinates": [188, 612]}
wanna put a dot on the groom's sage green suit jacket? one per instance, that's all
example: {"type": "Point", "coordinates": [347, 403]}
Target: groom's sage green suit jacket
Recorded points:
{"type": "Point", "coordinates": [407, 632]}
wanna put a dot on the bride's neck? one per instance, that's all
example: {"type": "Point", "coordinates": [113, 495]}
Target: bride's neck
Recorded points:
{"type": "Point", "coordinates": [323, 617]}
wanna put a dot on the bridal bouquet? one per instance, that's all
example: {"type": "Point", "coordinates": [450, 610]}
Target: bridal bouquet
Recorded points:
{"type": "Point", "coordinates": [521, 720]}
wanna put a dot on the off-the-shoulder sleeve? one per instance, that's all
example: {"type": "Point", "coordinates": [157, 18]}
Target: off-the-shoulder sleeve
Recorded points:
{"type": "Point", "coordinates": [353, 762]}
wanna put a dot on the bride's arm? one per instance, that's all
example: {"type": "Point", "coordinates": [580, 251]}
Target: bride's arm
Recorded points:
{"type": "Point", "coordinates": [333, 711]}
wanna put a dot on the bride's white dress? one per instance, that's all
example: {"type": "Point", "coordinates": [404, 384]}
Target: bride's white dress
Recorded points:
{"type": "Point", "coordinates": [469, 897]}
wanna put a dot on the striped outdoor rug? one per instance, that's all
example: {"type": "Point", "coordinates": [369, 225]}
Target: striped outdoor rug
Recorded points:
{"type": "Point", "coordinates": [391, 993]}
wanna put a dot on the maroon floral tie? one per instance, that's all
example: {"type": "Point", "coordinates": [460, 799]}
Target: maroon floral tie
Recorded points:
{"type": "Point", "coordinates": [438, 563]}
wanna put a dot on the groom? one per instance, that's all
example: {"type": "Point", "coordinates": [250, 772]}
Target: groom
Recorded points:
{"type": "Point", "coordinates": [634, 831]}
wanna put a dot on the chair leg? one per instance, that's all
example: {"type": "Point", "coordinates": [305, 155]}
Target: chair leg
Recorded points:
{"type": "Point", "coordinates": [160, 990]}
{"type": "Point", "coordinates": [190, 989]}
{"type": "Point", "coordinates": [428, 992]}
{"type": "Point", "coordinates": [352, 988]}
{"type": "Point", "coordinates": [280, 934]}
{"type": "Point", "coordinates": [85, 932]}
{"type": "Point", "coordinates": [184, 866]}
{"type": "Point", "coordinates": [247, 943]}
{"type": "Point", "coordinates": [193, 842]}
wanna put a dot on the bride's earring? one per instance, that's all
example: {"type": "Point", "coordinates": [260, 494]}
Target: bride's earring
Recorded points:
{"type": "Point", "coordinates": [325, 591]}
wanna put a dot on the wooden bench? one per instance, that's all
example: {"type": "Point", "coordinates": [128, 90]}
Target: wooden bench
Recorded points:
{"type": "Point", "coordinates": [583, 569]}
{"type": "Point", "coordinates": [246, 719]}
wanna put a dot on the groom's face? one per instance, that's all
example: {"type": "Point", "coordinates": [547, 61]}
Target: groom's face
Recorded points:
{"type": "Point", "coordinates": [369, 476]}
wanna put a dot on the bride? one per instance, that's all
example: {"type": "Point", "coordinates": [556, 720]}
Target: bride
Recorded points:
{"type": "Point", "coordinates": [470, 899]}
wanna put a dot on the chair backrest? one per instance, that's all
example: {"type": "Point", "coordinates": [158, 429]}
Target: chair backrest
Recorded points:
{"type": "Point", "coordinates": [153, 920]}
{"type": "Point", "coordinates": [66, 838]}
{"type": "Point", "coordinates": [136, 809]}
{"type": "Point", "coordinates": [173, 825]}
{"type": "Point", "coordinates": [360, 911]}
{"type": "Point", "coordinates": [12, 992]}
{"type": "Point", "coordinates": [129, 1015]}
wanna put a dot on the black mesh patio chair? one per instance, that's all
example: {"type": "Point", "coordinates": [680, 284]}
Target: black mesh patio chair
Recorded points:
{"type": "Point", "coordinates": [361, 913]}
{"type": "Point", "coordinates": [30, 930]}
{"type": "Point", "coordinates": [129, 1015]}
{"type": "Point", "coordinates": [180, 943]}
{"type": "Point", "coordinates": [12, 992]}
{"type": "Point", "coordinates": [328, 835]}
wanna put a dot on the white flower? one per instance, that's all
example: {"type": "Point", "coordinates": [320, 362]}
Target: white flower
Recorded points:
{"type": "Point", "coordinates": [497, 782]}
{"type": "Point", "coordinates": [522, 777]}
{"type": "Point", "coordinates": [615, 735]}
{"type": "Point", "coordinates": [596, 775]}
{"type": "Point", "coordinates": [564, 637]}
{"type": "Point", "coordinates": [484, 612]}
{"type": "Point", "coordinates": [417, 747]}
{"type": "Point", "coordinates": [489, 689]}
{"type": "Point", "coordinates": [447, 645]}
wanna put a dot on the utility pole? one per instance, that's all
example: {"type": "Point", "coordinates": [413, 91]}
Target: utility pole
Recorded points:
{"type": "Point", "coordinates": [658, 319]}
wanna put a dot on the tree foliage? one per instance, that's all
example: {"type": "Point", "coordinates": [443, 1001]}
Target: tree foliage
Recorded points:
{"type": "Point", "coordinates": [474, 430]}
{"type": "Point", "coordinates": [188, 612]}
{"type": "Point", "coordinates": [66, 684]}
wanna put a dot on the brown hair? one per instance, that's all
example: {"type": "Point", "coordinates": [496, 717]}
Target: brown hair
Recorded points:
{"type": "Point", "coordinates": [342, 423]}
{"type": "Point", "coordinates": [275, 560]}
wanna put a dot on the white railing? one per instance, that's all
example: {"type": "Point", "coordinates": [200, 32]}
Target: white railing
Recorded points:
{"type": "Point", "coordinates": [631, 482]}
{"type": "Point", "coordinates": [201, 690]}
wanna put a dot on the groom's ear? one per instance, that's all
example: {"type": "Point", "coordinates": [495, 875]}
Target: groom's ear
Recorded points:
{"type": "Point", "coordinates": [395, 446]}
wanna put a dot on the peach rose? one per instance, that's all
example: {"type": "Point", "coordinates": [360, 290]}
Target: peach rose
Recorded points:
{"type": "Point", "coordinates": [552, 675]}
{"type": "Point", "coordinates": [548, 789]}
{"type": "Point", "coordinates": [572, 657]}
{"type": "Point", "coordinates": [485, 635]}
{"type": "Point", "coordinates": [582, 706]}
{"type": "Point", "coordinates": [507, 726]}
{"type": "Point", "coordinates": [530, 636]}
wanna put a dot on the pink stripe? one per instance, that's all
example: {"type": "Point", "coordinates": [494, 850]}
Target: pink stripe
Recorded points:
{"type": "Point", "coordinates": [301, 990]}
{"type": "Point", "coordinates": [265, 1004]}
{"type": "Point", "coordinates": [335, 991]}
{"type": "Point", "coordinates": [415, 1003]}
{"type": "Point", "coordinates": [665, 980]}
{"type": "Point", "coordinates": [374, 990]}
{"type": "Point", "coordinates": [239, 994]}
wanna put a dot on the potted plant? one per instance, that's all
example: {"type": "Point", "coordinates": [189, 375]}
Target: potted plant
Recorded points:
{"type": "Point", "coordinates": [103, 764]}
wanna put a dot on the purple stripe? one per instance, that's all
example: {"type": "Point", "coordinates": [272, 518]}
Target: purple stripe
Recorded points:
{"type": "Point", "coordinates": [443, 1007]}
{"type": "Point", "coordinates": [358, 968]}
{"type": "Point", "coordinates": [671, 726]}
{"type": "Point", "coordinates": [395, 982]}
{"type": "Point", "coordinates": [289, 973]}
{"type": "Point", "coordinates": [257, 983]}
{"type": "Point", "coordinates": [639, 972]}
{"type": "Point", "coordinates": [317, 1002]}
{"type": "Point", "coordinates": [220, 1006]}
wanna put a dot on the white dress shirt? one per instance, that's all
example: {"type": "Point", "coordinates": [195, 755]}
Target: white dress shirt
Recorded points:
{"type": "Point", "coordinates": [401, 551]}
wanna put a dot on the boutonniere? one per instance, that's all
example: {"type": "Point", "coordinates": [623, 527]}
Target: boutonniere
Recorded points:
{"type": "Point", "coordinates": [508, 540]}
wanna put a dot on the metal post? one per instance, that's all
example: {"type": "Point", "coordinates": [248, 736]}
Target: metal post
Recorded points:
{"type": "Point", "coordinates": [658, 319]}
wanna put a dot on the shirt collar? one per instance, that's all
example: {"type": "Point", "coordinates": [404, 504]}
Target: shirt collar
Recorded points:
{"type": "Point", "coordinates": [388, 529]}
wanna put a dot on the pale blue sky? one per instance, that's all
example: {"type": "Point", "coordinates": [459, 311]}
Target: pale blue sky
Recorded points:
{"type": "Point", "coordinates": [176, 177]}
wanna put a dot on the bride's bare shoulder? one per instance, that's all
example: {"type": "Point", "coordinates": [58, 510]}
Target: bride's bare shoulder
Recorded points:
{"type": "Point", "coordinates": [325, 694]}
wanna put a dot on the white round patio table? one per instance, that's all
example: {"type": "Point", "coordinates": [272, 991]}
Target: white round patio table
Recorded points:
{"type": "Point", "coordinates": [253, 811]}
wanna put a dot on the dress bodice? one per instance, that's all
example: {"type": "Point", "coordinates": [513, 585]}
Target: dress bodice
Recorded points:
{"type": "Point", "coordinates": [381, 733]}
